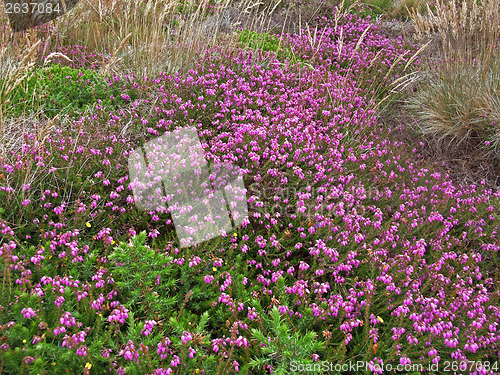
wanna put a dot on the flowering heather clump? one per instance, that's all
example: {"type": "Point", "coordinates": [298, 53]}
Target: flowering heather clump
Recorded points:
{"type": "Point", "coordinates": [355, 47]}
{"type": "Point", "coordinates": [352, 250]}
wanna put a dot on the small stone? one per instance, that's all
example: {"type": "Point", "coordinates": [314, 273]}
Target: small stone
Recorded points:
{"type": "Point", "coordinates": [221, 22]}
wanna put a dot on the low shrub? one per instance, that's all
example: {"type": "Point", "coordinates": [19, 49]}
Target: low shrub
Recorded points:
{"type": "Point", "coordinates": [264, 42]}
{"type": "Point", "coordinates": [57, 89]}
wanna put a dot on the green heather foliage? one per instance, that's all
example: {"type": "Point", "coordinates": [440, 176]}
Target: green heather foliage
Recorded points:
{"type": "Point", "coordinates": [57, 88]}
{"type": "Point", "coordinates": [270, 43]}
{"type": "Point", "coordinates": [263, 41]}
{"type": "Point", "coordinates": [283, 347]}
{"type": "Point", "coordinates": [134, 263]}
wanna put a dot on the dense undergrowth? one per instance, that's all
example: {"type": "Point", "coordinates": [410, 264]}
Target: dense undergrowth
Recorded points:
{"type": "Point", "coordinates": [353, 250]}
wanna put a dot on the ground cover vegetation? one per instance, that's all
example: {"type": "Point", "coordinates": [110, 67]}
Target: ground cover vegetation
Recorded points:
{"type": "Point", "coordinates": [364, 241]}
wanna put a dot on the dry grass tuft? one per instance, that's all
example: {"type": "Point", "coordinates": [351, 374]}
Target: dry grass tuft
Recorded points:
{"type": "Point", "coordinates": [457, 103]}
{"type": "Point", "coordinates": [467, 29]}
{"type": "Point", "coordinates": [146, 37]}
{"type": "Point", "coordinates": [13, 75]}
{"type": "Point", "coordinates": [143, 37]}
{"type": "Point", "coordinates": [460, 104]}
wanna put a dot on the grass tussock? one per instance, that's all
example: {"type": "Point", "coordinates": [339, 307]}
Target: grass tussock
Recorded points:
{"type": "Point", "coordinates": [142, 37]}
{"type": "Point", "coordinates": [457, 100]}
{"type": "Point", "coordinates": [461, 104]}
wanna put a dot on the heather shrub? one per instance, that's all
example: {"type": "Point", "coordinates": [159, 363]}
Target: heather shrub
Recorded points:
{"type": "Point", "coordinates": [265, 42]}
{"type": "Point", "coordinates": [73, 176]}
{"type": "Point", "coordinates": [79, 323]}
{"type": "Point", "coordinates": [281, 348]}
{"type": "Point", "coordinates": [132, 263]}
{"type": "Point", "coordinates": [355, 47]}
{"type": "Point", "coordinates": [63, 89]}
{"type": "Point", "coordinates": [369, 213]}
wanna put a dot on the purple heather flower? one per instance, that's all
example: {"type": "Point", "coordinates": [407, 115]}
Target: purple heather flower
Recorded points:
{"type": "Point", "coordinates": [119, 314]}
{"type": "Point", "coordinates": [163, 348]}
{"type": "Point", "coordinates": [28, 360]}
{"type": "Point", "coordinates": [67, 320]}
{"type": "Point", "coordinates": [148, 327]}
{"type": "Point", "coordinates": [404, 360]}
{"type": "Point", "coordinates": [28, 312]}
{"type": "Point", "coordinates": [59, 301]}
{"type": "Point", "coordinates": [129, 352]}
{"type": "Point", "coordinates": [208, 279]}
{"type": "Point", "coordinates": [81, 351]}
{"type": "Point", "coordinates": [186, 336]}
{"type": "Point", "coordinates": [106, 352]}
{"type": "Point", "coordinates": [175, 361]}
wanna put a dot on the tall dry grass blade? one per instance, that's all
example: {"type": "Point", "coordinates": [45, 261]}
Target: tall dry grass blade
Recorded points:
{"type": "Point", "coordinates": [416, 54]}
{"type": "Point", "coordinates": [49, 58]}
{"type": "Point", "coordinates": [17, 74]}
{"type": "Point", "coordinates": [114, 58]}
{"type": "Point", "coordinates": [361, 38]}
{"type": "Point", "coordinates": [340, 44]}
